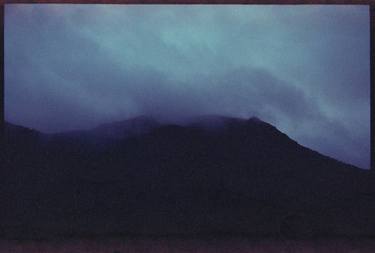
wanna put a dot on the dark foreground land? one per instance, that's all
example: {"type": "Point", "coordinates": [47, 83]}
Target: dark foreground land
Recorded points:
{"type": "Point", "coordinates": [215, 175]}
{"type": "Point", "coordinates": [189, 246]}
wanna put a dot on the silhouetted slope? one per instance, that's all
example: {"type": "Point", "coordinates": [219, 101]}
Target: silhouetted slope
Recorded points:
{"type": "Point", "coordinates": [214, 175]}
{"type": "Point", "coordinates": [126, 128]}
{"type": "Point", "coordinates": [106, 133]}
{"type": "Point", "coordinates": [14, 133]}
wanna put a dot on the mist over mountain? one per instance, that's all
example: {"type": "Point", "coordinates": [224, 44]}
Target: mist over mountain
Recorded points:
{"type": "Point", "coordinates": [304, 69]}
{"type": "Point", "coordinates": [211, 175]}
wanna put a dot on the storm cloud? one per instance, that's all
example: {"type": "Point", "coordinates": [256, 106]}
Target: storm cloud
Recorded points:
{"type": "Point", "coordinates": [304, 69]}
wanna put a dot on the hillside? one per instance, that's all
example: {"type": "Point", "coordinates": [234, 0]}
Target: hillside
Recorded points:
{"type": "Point", "coordinates": [213, 175]}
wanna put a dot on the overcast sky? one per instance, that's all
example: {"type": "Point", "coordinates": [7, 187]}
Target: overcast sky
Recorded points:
{"type": "Point", "coordinates": [304, 69]}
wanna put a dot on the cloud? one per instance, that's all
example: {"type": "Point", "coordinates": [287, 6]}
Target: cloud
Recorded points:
{"type": "Point", "coordinates": [304, 69]}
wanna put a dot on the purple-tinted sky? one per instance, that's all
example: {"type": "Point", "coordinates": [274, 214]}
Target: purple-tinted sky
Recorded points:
{"type": "Point", "coordinates": [304, 69]}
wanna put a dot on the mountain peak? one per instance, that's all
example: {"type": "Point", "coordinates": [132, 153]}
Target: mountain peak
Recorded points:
{"type": "Point", "coordinates": [255, 119]}
{"type": "Point", "coordinates": [119, 129]}
{"type": "Point", "coordinates": [213, 121]}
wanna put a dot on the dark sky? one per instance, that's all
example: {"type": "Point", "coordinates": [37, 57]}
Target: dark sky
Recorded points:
{"type": "Point", "coordinates": [304, 69]}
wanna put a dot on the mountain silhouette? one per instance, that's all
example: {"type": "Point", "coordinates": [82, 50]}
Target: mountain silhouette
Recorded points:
{"type": "Point", "coordinates": [126, 128]}
{"type": "Point", "coordinates": [212, 175]}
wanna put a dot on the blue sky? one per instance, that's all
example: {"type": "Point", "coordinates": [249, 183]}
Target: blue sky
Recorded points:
{"type": "Point", "coordinates": [304, 68]}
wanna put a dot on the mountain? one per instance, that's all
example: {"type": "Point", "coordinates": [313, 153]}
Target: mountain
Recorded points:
{"type": "Point", "coordinates": [126, 128]}
{"type": "Point", "coordinates": [213, 175]}
{"type": "Point", "coordinates": [115, 130]}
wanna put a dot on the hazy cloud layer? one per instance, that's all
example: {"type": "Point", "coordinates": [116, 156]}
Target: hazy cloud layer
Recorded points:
{"type": "Point", "coordinates": [304, 69]}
